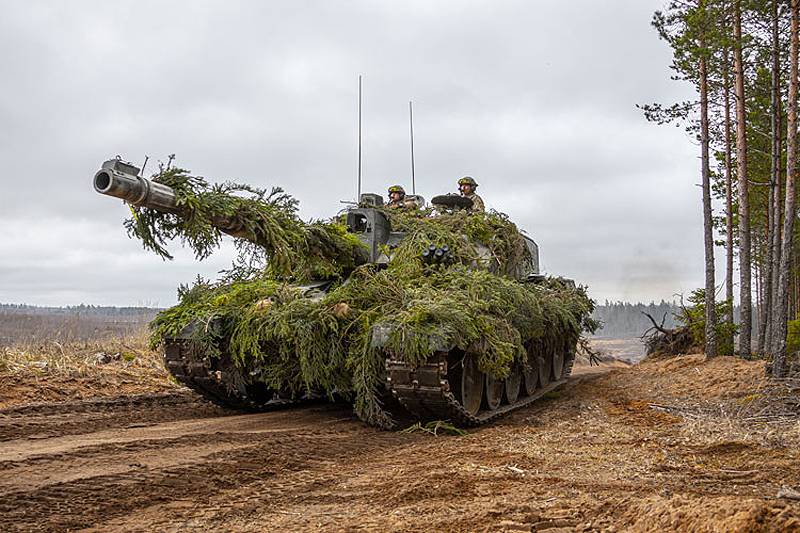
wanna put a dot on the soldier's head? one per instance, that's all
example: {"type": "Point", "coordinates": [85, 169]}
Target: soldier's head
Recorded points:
{"type": "Point", "coordinates": [396, 193]}
{"type": "Point", "coordinates": [467, 185]}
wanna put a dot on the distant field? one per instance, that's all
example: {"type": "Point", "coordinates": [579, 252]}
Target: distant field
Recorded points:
{"type": "Point", "coordinates": [25, 324]}
{"type": "Point", "coordinates": [627, 349]}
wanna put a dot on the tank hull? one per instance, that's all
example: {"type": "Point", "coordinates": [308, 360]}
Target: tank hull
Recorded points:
{"type": "Point", "coordinates": [433, 391]}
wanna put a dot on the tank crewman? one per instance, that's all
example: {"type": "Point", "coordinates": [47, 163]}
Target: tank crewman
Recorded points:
{"type": "Point", "coordinates": [467, 186]}
{"type": "Point", "coordinates": [397, 198]}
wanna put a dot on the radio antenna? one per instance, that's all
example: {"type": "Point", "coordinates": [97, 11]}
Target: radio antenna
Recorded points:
{"type": "Point", "coordinates": [358, 199]}
{"type": "Point", "coordinates": [411, 127]}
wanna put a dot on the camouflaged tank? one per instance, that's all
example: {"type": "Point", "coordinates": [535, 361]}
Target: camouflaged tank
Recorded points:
{"type": "Point", "coordinates": [448, 381]}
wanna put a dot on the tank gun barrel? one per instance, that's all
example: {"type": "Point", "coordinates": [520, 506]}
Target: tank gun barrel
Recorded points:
{"type": "Point", "coordinates": [121, 180]}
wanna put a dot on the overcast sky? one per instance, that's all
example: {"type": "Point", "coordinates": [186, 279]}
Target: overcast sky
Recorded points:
{"type": "Point", "coordinates": [536, 100]}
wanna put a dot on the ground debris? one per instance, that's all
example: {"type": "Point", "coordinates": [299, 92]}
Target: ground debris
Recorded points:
{"type": "Point", "coordinates": [510, 525]}
{"type": "Point", "coordinates": [788, 493]}
{"type": "Point", "coordinates": [435, 428]}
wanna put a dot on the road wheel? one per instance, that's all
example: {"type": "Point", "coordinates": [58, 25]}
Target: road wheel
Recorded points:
{"type": "Point", "coordinates": [494, 392]}
{"type": "Point", "coordinates": [513, 384]}
{"type": "Point", "coordinates": [471, 384]}
{"type": "Point", "coordinates": [558, 363]}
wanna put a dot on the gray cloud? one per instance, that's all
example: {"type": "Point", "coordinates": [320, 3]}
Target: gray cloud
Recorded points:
{"type": "Point", "coordinates": [534, 99]}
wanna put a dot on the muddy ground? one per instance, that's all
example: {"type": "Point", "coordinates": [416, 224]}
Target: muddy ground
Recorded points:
{"type": "Point", "coordinates": [672, 445]}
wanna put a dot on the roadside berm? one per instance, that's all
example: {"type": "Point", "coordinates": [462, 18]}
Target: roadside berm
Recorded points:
{"type": "Point", "coordinates": [679, 444]}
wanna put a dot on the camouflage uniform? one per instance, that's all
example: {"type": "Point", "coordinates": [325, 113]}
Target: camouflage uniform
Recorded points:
{"type": "Point", "coordinates": [402, 202]}
{"type": "Point", "coordinates": [477, 201]}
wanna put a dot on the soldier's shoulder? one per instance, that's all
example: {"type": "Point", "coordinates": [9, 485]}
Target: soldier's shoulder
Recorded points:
{"type": "Point", "coordinates": [477, 203]}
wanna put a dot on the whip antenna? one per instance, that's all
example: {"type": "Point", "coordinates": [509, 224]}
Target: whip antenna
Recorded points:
{"type": "Point", "coordinates": [358, 198]}
{"type": "Point", "coordinates": [411, 127]}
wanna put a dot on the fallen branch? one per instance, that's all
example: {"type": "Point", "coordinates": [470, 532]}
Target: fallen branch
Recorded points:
{"type": "Point", "coordinates": [659, 340]}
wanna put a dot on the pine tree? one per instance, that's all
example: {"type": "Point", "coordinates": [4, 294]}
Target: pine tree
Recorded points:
{"type": "Point", "coordinates": [687, 28]}
{"type": "Point", "coordinates": [745, 267]}
{"type": "Point", "coordinates": [780, 324]}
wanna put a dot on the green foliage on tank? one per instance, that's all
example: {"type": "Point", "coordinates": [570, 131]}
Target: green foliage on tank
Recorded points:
{"type": "Point", "coordinates": [261, 316]}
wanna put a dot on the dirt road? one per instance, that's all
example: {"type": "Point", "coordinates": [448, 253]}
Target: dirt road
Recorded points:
{"type": "Point", "coordinates": [605, 453]}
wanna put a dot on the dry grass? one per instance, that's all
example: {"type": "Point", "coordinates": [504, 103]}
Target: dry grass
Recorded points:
{"type": "Point", "coordinates": [768, 415]}
{"type": "Point", "coordinates": [55, 371]}
{"type": "Point", "coordinates": [710, 429]}
{"type": "Point", "coordinates": [75, 357]}
{"type": "Point", "coordinates": [725, 400]}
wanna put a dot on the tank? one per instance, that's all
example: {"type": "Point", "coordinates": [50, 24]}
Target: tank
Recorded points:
{"type": "Point", "coordinates": [430, 314]}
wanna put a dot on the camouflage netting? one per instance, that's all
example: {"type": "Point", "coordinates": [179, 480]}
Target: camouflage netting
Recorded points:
{"type": "Point", "coordinates": [337, 342]}
{"type": "Point", "coordinates": [266, 221]}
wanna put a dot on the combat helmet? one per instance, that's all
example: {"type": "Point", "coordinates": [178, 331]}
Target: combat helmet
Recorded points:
{"type": "Point", "coordinates": [468, 180]}
{"type": "Point", "coordinates": [397, 188]}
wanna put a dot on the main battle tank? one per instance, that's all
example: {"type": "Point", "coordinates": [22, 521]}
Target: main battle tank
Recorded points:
{"type": "Point", "coordinates": [436, 314]}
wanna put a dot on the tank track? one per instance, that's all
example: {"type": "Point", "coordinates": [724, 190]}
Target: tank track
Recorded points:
{"type": "Point", "coordinates": [416, 393]}
{"type": "Point", "coordinates": [426, 392]}
{"type": "Point", "coordinates": [217, 379]}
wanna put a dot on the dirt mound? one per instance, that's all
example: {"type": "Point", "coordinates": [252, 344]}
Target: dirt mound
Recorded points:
{"type": "Point", "coordinates": [723, 515]}
{"type": "Point", "coordinates": [713, 379]}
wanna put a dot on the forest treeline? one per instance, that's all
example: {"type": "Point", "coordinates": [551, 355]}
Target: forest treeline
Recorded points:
{"type": "Point", "coordinates": [625, 320]}
{"type": "Point", "coordinates": [81, 309]}
{"type": "Point", "coordinates": [621, 320]}
{"type": "Point", "coordinates": [741, 56]}
{"type": "Point", "coordinates": [21, 323]}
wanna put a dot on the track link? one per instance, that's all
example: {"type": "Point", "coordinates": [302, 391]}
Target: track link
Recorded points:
{"type": "Point", "coordinates": [217, 379]}
{"type": "Point", "coordinates": [426, 392]}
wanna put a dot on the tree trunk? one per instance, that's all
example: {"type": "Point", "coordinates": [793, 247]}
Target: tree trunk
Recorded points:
{"type": "Point", "coordinates": [745, 297]}
{"type": "Point", "coordinates": [765, 277]}
{"type": "Point", "coordinates": [758, 280]}
{"type": "Point", "coordinates": [708, 230]}
{"type": "Point", "coordinates": [774, 248]}
{"type": "Point", "coordinates": [758, 305]}
{"type": "Point", "coordinates": [779, 362]}
{"type": "Point", "coordinates": [776, 234]}
{"type": "Point", "coordinates": [728, 194]}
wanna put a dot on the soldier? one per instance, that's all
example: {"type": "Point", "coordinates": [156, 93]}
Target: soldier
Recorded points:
{"type": "Point", "coordinates": [467, 186]}
{"type": "Point", "coordinates": [397, 198]}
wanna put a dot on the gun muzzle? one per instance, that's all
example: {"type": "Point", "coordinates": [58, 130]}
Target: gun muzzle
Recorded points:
{"type": "Point", "coordinates": [121, 180]}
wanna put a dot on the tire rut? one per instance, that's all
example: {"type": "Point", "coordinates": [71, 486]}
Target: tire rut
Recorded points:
{"type": "Point", "coordinates": [38, 421]}
{"type": "Point", "coordinates": [278, 462]}
{"type": "Point", "coordinates": [297, 482]}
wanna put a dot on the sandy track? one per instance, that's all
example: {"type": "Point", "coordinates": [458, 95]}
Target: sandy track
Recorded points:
{"type": "Point", "coordinates": [595, 457]}
{"type": "Point", "coordinates": [68, 479]}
